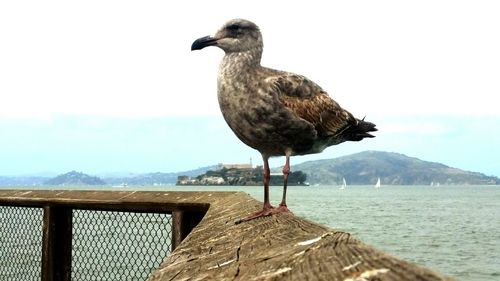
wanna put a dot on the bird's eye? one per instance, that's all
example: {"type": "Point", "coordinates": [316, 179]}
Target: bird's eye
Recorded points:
{"type": "Point", "coordinates": [233, 27]}
{"type": "Point", "coordinates": [234, 30]}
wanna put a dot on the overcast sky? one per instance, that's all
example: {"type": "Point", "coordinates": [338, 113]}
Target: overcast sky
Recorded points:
{"type": "Point", "coordinates": [84, 83]}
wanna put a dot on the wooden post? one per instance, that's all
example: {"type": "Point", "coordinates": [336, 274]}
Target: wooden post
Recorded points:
{"type": "Point", "coordinates": [182, 224]}
{"type": "Point", "coordinates": [57, 236]}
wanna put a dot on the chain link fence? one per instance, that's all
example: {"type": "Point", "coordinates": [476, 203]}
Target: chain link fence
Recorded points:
{"type": "Point", "coordinates": [106, 245]}
{"type": "Point", "coordinates": [118, 245]}
{"type": "Point", "coordinates": [21, 232]}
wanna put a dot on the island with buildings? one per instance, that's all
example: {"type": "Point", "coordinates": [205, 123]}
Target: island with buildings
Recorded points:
{"type": "Point", "coordinates": [240, 174]}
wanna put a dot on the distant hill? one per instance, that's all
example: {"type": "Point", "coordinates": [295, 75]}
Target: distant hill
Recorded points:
{"type": "Point", "coordinates": [22, 180]}
{"type": "Point", "coordinates": [361, 168]}
{"type": "Point", "coordinates": [392, 168]}
{"type": "Point", "coordinates": [75, 178]}
{"type": "Point", "coordinates": [157, 178]}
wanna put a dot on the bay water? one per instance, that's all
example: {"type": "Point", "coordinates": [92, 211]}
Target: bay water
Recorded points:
{"type": "Point", "coordinates": [454, 230]}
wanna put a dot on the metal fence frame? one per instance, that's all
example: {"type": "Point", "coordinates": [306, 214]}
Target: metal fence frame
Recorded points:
{"type": "Point", "coordinates": [58, 226]}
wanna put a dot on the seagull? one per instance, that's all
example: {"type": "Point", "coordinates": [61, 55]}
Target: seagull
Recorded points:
{"type": "Point", "coordinates": [277, 113]}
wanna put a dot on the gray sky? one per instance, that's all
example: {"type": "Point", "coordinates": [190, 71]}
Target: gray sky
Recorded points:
{"type": "Point", "coordinates": [422, 70]}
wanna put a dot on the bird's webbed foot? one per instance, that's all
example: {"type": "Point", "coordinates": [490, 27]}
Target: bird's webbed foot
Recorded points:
{"type": "Point", "coordinates": [266, 211]}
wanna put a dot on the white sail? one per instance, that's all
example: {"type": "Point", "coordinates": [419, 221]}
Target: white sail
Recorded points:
{"type": "Point", "coordinates": [344, 184]}
{"type": "Point", "coordinates": [377, 185]}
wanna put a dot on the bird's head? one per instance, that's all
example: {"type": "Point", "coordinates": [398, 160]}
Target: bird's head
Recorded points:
{"type": "Point", "coordinates": [237, 35]}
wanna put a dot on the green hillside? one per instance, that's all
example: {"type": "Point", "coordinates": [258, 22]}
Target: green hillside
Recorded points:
{"type": "Point", "coordinates": [392, 168]}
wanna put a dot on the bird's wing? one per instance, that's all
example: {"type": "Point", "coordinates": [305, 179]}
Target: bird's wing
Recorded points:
{"type": "Point", "coordinates": [311, 103]}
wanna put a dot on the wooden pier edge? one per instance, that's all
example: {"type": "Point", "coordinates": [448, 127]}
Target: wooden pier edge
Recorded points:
{"type": "Point", "coordinates": [281, 247]}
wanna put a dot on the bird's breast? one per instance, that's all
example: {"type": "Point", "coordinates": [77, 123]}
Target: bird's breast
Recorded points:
{"type": "Point", "coordinates": [259, 120]}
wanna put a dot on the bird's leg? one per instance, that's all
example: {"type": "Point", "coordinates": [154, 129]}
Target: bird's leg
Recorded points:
{"type": "Point", "coordinates": [266, 179]}
{"type": "Point", "coordinates": [267, 209]}
{"type": "Point", "coordinates": [286, 171]}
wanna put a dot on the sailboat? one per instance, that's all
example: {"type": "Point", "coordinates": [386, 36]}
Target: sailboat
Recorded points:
{"type": "Point", "coordinates": [344, 184]}
{"type": "Point", "coordinates": [377, 185]}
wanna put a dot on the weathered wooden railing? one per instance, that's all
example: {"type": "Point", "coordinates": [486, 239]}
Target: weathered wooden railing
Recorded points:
{"type": "Point", "coordinates": [106, 212]}
{"type": "Point", "coordinates": [282, 247]}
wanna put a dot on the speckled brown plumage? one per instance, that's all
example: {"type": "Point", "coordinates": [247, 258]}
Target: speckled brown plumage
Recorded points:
{"type": "Point", "coordinates": [275, 112]}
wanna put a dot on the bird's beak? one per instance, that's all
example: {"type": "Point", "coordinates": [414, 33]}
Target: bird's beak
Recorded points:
{"type": "Point", "coordinates": [203, 42]}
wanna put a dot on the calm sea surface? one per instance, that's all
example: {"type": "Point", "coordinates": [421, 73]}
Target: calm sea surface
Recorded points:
{"type": "Point", "coordinates": [453, 230]}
